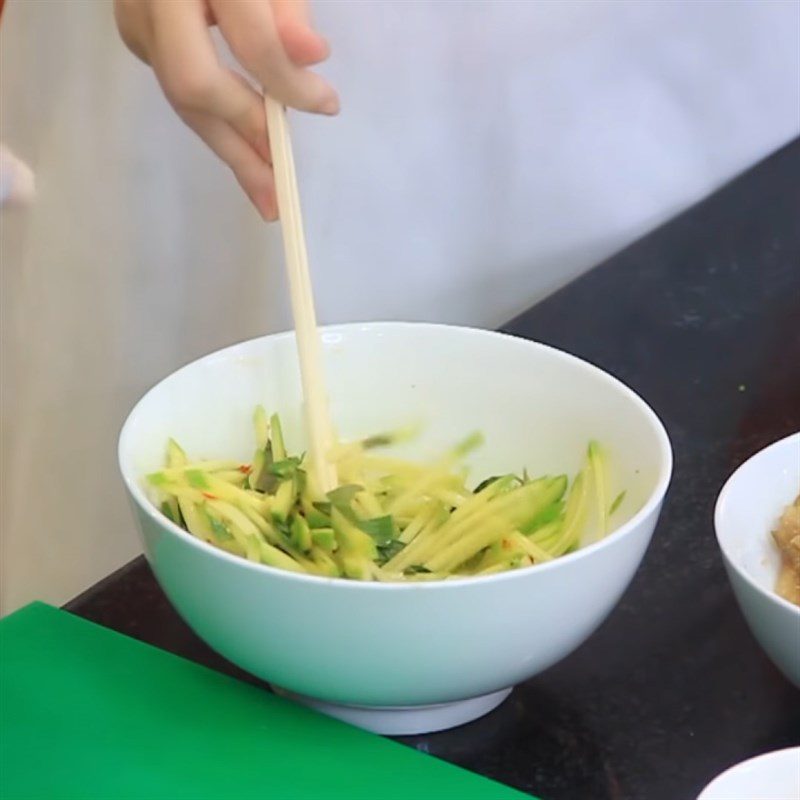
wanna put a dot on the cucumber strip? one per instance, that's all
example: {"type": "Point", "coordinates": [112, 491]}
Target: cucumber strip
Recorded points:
{"type": "Point", "coordinates": [447, 559]}
{"type": "Point", "coordinates": [537, 554]}
{"type": "Point", "coordinates": [261, 425]}
{"type": "Point", "coordinates": [497, 519]}
{"type": "Point", "coordinates": [419, 522]}
{"type": "Point", "coordinates": [324, 539]}
{"type": "Point", "coordinates": [495, 553]}
{"type": "Point", "coordinates": [276, 438]}
{"type": "Point", "coordinates": [389, 519]}
{"type": "Point", "coordinates": [491, 503]}
{"type": "Point", "coordinates": [351, 539]}
{"type": "Point", "coordinates": [574, 515]}
{"type": "Point", "coordinates": [426, 542]}
{"type": "Point", "coordinates": [173, 481]}
{"type": "Point", "coordinates": [355, 566]}
{"type": "Point", "coordinates": [314, 516]}
{"type": "Point", "coordinates": [369, 504]}
{"type": "Point", "coordinates": [618, 500]}
{"type": "Point", "coordinates": [264, 528]}
{"type": "Point", "coordinates": [428, 478]}
{"type": "Point", "coordinates": [284, 499]}
{"type": "Point", "coordinates": [546, 532]}
{"type": "Point", "coordinates": [273, 557]}
{"type": "Point", "coordinates": [325, 564]}
{"type": "Point", "coordinates": [300, 534]}
{"type": "Point", "coordinates": [450, 497]}
{"type": "Point", "coordinates": [196, 521]}
{"type": "Point", "coordinates": [240, 526]}
{"type": "Point", "coordinates": [176, 457]}
{"type": "Point", "coordinates": [598, 466]}
{"type": "Point", "coordinates": [233, 476]}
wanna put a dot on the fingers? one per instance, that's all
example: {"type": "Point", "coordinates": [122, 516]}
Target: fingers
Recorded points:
{"type": "Point", "coordinates": [134, 27]}
{"type": "Point", "coordinates": [220, 107]}
{"type": "Point", "coordinates": [254, 176]}
{"type": "Point", "coordinates": [303, 45]}
{"type": "Point", "coordinates": [192, 78]}
{"type": "Point", "coordinates": [251, 30]}
{"type": "Point", "coordinates": [272, 39]}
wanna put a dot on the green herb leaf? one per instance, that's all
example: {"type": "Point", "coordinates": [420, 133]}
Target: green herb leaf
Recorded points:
{"type": "Point", "coordinates": [388, 551]}
{"type": "Point", "coordinates": [343, 495]}
{"type": "Point", "coordinates": [286, 468]}
{"type": "Point", "coordinates": [284, 529]}
{"type": "Point", "coordinates": [318, 517]}
{"type": "Point", "coordinates": [381, 529]}
{"type": "Point", "coordinates": [266, 481]}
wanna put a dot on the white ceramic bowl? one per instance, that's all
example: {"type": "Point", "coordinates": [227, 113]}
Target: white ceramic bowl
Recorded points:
{"type": "Point", "coordinates": [748, 508]}
{"type": "Point", "coordinates": [402, 658]}
{"type": "Point", "coordinates": [772, 776]}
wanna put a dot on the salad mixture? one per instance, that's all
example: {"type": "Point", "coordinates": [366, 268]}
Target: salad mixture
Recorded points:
{"type": "Point", "coordinates": [389, 519]}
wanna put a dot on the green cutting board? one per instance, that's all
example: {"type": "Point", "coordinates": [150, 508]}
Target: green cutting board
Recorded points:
{"type": "Point", "coordinates": [86, 712]}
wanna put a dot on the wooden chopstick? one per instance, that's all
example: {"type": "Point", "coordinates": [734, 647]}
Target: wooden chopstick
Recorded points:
{"type": "Point", "coordinates": [318, 424]}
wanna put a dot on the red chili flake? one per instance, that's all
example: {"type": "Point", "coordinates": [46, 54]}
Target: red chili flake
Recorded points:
{"type": "Point", "coordinates": [246, 468]}
{"type": "Point", "coordinates": [210, 496]}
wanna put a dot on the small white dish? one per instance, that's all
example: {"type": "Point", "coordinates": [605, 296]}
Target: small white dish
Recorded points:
{"type": "Point", "coordinates": [772, 776]}
{"type": "Point", "coordinates": [747, 510]}
{"type": "Point", "coordinates": [403, 658]}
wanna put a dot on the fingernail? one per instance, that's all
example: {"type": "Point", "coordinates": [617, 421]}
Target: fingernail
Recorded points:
{"type": "Point", "coordinates": [270, 213]}
{"type": "Point", "coordinates": [325, 48]}
{"type": "Point", "coordinates": [330, 105]}
{"type": "Point", "coordinates": [265, 205]}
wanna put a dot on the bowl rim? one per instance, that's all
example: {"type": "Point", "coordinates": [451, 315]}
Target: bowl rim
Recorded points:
{"type": "Point", "coordinates": [720, 509]}
{"type": "Point", "coordinates": [654, 499]}
{"type": "Point", "coordinates": [754, 761]}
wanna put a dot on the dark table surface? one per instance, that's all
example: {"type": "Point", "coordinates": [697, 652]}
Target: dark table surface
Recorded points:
{"type": "Point", "coordinates": [702, 318]}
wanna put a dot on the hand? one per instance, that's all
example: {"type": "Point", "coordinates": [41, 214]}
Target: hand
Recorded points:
{"type": "Point", "coordinates": [272, 39]}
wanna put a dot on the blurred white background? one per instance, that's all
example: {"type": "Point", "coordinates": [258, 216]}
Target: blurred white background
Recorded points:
{"type": "Point", "coordinates": [487, 152]}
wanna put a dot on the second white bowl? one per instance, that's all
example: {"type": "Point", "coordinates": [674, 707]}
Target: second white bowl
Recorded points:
{"type": "Point", "coordinates": [747, 510]}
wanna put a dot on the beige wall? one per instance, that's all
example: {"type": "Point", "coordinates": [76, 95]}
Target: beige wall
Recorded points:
{"type": "Point", "coordinates": [486, 153]}
{"type": "Point", "coordinates": [138, 255]}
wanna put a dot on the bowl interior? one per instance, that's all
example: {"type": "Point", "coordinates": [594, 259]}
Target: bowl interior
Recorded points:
{"type": "Point", "coordinates": [749, 507]}
{"type": "Point", "coordinates": [537, 407]}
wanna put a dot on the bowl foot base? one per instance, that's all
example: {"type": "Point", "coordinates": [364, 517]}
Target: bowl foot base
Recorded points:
{"type": "Point", "coordinates": [405, 720]}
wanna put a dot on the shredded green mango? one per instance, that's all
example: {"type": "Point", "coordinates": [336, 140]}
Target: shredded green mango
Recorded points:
{"type": "Point", "coordinates": [389, 519]}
